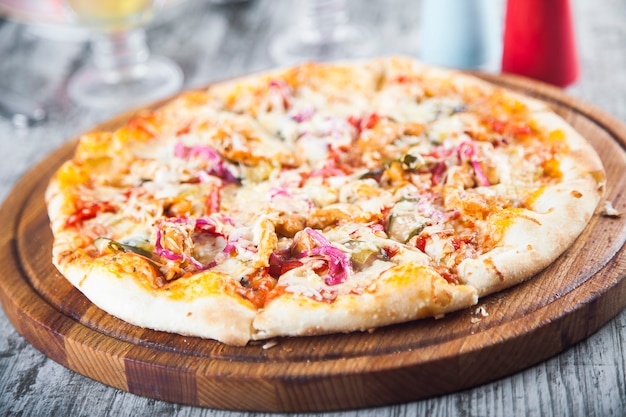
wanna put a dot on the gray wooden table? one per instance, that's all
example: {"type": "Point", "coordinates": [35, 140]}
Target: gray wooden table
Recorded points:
{"type": "Point", "coordinates": [212, 42]}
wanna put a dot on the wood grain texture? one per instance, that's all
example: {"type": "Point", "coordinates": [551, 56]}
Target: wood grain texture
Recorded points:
{"type": "Point", "coordinates": [567, 302]}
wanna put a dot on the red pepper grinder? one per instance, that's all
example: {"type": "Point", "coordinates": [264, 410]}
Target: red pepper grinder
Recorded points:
{"type": "Point", "coordinates": [539, 41]}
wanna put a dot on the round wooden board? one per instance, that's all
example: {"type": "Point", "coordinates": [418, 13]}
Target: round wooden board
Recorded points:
{"type": "Point", "coordinates": [525, 325]}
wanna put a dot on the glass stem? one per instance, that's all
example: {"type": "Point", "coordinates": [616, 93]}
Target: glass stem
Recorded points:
{"type": "Point", "coordinates": [323, 20]}
{"type": "Point", "coordinates": [120, 55]}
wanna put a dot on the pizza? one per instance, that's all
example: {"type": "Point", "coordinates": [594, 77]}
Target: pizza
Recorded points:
{"type": "Point", "coordinates": [321, 198]}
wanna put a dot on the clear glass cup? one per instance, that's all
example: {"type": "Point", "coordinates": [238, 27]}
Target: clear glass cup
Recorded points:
{"type": "Point", "coordinates": [323, 31]}
{"type": "Point", "coordinates": [122, 73]}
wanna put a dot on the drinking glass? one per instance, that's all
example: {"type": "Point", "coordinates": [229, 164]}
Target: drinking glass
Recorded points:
{"type": "Point", "coordinates": [122, 73]}
{"type": "Point", "coordinates": [322, 31]}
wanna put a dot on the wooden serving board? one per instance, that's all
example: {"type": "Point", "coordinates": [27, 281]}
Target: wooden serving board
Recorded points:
{"type": "Point", "coordinates": [567, 302]}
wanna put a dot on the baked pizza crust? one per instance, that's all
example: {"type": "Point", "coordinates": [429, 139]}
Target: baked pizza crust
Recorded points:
{"type": "Point", "coordinates": [402, 293]}
{"type": "Point", "coordinates": [203, 305]}
{"type": "Point", "coordinates": [532, 239]}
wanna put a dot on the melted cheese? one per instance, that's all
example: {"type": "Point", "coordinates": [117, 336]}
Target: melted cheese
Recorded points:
{"type": "Point", "coordinates": [397, 165]}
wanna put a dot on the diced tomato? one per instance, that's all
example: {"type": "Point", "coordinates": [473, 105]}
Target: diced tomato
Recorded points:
{"type": "Point", "coordinates": [458, 242]}
{"type": "Point", "coordinates": [462, 241]}
{"type": "Point", "coordinates": [390, 252]}
{"type": "Point", "coordinates": [503, 127]}
{"type": "Point", "coordinates": [333, 167]}
{"type": "Point", "coordinates": [440, 152]}
{"type": "Point", "coordinates": [328, 171]}
{"type": "Point", "coordinates": [86, 210]}
{"type": "Point", "coordinates": [366, 122]}
{"type": "Point", "coordinates": [321, 269]}
{"type": "Point", "coordinates": [496, 125]}
{"type": "Point", "coordinates": [184, 129]}
{"type": "Point", "coordinates": [370, 121]}
{"type": "Point", "coordinates": [402, 79]}
{"type": "Point", "coordinates": [355, 122]}
{"type": "Point", "coordinates": [145, 124]}
{"type": "Point", "coordinates": [420, 242]}
{"type": "Point", "coordinates": [213, 199]}
{"type": "Point", "coordinates": [522, 130]}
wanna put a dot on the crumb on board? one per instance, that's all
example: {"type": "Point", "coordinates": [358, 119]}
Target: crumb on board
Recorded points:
{"type": "Point", "coordinates": [479, 313]}
{"type": "Point", "coordinates": [609, 211]}
{"type": "Point", "coordinates": [269, 344]}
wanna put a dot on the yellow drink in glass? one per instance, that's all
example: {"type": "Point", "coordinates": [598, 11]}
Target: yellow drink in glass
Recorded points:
{"type": "Point", "coordinates": [112, 14]}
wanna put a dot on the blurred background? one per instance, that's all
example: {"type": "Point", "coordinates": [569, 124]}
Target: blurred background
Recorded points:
{"type": "Point", "coordinates": [45, 44]}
